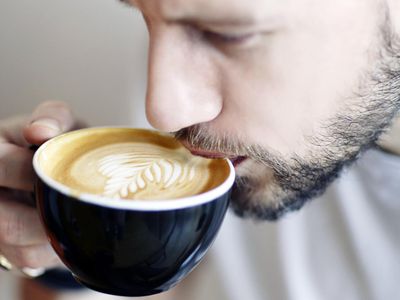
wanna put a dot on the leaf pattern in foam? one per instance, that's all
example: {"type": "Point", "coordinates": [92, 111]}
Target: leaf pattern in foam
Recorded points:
{"type": "Point", "coordinates": [131, 172]}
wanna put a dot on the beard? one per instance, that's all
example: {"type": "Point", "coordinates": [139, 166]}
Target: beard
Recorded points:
{"type": "Point", "coordinates": [269, 185]}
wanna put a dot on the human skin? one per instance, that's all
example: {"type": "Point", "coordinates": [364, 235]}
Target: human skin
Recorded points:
{"type": "Point", "coordinates": [265, 78]}
{"type": "Point", "coordinates": [22, 238]}
{"type": "Point", "coordinates": [290, 85]}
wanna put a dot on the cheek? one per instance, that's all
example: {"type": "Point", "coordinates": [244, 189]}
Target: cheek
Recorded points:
{"type": "Point", "coordinates": [283, 92]}
{"type": "Point", "coordinates": [267, 101]}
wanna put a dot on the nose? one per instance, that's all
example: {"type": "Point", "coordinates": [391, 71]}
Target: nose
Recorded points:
{"type": "Point", "coordinates": [182, 85]}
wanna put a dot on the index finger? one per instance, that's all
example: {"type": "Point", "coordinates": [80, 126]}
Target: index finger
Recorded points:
{"type": "Point", "coordinates": [11, 131]}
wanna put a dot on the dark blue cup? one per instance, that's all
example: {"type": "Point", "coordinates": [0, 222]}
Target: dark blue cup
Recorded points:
{"type": "Point", "coordinates": [129, 248]}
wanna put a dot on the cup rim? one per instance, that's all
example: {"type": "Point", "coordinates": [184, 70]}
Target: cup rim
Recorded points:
{"type": "Point", "coordinates": [136, 204]}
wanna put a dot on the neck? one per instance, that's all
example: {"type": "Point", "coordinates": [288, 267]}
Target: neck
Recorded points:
{"type": "Point", "coordinates": [390, 140]}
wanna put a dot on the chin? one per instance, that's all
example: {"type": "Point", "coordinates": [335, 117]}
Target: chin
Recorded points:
{"type": "Point", "coordinates": [260, 194]}
{"type": "Point", "coordinates": [263, 206]}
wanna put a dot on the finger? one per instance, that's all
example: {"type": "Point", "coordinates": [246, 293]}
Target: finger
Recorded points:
{"type": "Point", "coordinates": [48, 120]}
{"type": "Point", "coordinates": [35, 256]}
{"type": "Point", "coordinates": [19, 224]}
{"type": "Point", "coordinates": [11, 131]}
{"type": "Point", "coordinates": [16, 169]}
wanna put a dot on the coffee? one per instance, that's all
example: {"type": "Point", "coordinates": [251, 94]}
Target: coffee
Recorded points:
{"type": "Point", "coordinates": [128, 163]}
{"type": "Point", "coordinates": [129, 247]}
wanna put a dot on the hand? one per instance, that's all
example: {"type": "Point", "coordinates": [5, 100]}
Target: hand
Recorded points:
{"type": "Point", "coordinates": [22, 238]}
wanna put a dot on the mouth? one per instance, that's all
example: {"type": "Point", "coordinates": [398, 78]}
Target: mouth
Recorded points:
{"type": "Point", "coordinates": [236, 160]}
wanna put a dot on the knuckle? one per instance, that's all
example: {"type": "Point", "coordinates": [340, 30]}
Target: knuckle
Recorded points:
{"type": "Point", "coordinates": [11, 229]}
{"type": "Point", "coordinates": [27, 257]}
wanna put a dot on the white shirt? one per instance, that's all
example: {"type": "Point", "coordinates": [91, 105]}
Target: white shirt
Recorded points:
{"type": "Point", "coordinates": [344, 245]}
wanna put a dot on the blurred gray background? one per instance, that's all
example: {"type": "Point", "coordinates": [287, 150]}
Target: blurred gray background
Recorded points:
{"type": "Point", "coordinates": [86, 53]}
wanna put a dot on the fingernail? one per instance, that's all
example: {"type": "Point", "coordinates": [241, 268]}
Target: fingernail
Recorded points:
{"type": "Point", "coordinates": [49, 123]}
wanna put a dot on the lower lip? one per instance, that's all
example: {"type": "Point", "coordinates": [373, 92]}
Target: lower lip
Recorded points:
{"type": "Point", "coordinates": [238, 160]}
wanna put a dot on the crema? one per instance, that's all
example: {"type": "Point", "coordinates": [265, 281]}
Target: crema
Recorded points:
{"type": "Point", "coordinates": [123, 163]}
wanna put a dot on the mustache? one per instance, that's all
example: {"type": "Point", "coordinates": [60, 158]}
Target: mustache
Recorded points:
{"type": "Point", "coordinates": [200, 136]}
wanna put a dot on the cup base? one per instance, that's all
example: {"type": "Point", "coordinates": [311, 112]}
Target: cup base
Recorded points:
{"type": "Point", "coordinates": [115, 292]}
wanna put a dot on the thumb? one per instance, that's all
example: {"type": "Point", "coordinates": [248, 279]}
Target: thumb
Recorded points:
{"type": "Point", "coordinates": [48, 120]}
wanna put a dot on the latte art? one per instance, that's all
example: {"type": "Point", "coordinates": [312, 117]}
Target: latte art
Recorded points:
{"type": "Point", "coordinates": [134, 171]}
{"type": "Point", "coordinates": [130, 164]}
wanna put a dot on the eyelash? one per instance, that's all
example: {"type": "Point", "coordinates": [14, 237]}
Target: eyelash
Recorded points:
{"type": "Point", "coordinates": [226, 38]}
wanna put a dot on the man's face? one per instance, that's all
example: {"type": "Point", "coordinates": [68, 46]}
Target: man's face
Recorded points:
{"type": "Point", "coordinates": [288, 89]}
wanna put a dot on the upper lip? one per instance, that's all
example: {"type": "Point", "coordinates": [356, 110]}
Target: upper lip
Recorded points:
{"type": "Point", "coordinates": [206, 153]}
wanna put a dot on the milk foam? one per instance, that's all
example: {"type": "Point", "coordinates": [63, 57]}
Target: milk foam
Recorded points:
{"type": "Point", "coordinates": [130, 172]}
{"type": "Point", "coordinates": [142, 170]}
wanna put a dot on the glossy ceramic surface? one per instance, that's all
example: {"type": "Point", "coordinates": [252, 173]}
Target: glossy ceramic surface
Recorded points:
{"type": "Point", "coordinates": [128, 252]}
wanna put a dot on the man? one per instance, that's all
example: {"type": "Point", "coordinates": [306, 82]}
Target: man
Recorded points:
{"type": "Point", "coordinates": [291, 91]}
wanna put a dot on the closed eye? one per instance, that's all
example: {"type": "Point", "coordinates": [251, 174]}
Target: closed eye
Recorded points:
{"type": "Point", "coordinates": [225, 38]}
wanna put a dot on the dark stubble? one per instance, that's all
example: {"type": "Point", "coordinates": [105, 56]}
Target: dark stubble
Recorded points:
{"type": "Point", "coordinates": [287, 183]}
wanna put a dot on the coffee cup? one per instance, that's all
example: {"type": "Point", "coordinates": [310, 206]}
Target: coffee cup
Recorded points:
{"type": "Point", "coordinates": [130, 212]}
